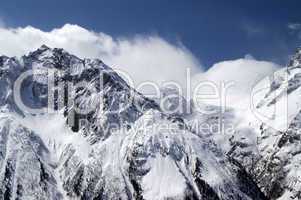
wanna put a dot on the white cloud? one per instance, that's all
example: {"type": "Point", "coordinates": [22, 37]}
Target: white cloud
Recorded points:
{"type": "Point", "coordinates": [294, 26]}
{"type": "Point", "coordinates": [142, 57]}
{"type": "Point", "coordinates": [244, 73]}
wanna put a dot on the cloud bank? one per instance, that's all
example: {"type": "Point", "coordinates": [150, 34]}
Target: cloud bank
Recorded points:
{"type": "Point", "coordinates": [144, 58]}
{"type": "Point", "coordinates": [241, 75]}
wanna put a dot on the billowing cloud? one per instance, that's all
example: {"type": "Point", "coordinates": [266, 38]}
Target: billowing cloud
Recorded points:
{"type": "Point", "coordinates": [142, 57]}
{"type": "Point", "coordinates": [239, 76]}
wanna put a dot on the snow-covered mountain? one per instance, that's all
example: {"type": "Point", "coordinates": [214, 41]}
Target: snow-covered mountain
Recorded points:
{"type": "Point", "coordinates": [269, 145]}
{"type": "Point", "coordinates": [128, 146]}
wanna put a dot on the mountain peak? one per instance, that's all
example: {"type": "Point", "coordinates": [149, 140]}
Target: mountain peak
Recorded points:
{"type": "Point", "coordinates": [51, 57]}
{"type": "Point", "coordinates": [295, 60]}
{"type": "Point", "coordinates": [49, 51]}
{"type": "Point", "coordinates": [44, 47]}
{"type": "Point", "coordinates": [108, 141]}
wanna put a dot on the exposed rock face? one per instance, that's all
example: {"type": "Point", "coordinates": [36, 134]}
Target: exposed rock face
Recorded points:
{"type": "Point", "coordinates": [126, 147]}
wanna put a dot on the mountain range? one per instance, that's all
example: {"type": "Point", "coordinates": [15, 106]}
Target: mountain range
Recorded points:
{"type": "Point", "coordinates": [129, 147]}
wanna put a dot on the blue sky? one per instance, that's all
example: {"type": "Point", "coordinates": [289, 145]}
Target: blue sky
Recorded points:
{"type": "Point", "coordinates": [212, 30]}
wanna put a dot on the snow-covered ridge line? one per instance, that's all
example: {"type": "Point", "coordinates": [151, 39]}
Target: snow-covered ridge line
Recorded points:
{"type": "Point", "coordinates": [94, 159]}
